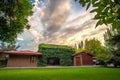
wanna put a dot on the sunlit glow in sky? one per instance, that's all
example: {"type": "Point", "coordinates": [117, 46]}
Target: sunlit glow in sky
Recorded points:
{"type": "Point", "coordinates": [62, 22]}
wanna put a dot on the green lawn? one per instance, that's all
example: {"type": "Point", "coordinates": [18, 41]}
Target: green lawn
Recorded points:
{"type": "Point", "coordinates": [61, 74]}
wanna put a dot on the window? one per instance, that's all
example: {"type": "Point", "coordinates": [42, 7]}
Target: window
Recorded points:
{"type": "Point", "coordinates": [32, 59]}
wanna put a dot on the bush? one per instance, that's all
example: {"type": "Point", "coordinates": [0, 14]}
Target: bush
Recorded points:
{"type": "Point", "coordinates": [104, 59]}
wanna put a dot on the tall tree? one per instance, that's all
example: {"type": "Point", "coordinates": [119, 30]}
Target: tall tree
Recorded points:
{"type": "Point", "coordinates": [13, 18]}
{"type": "Point", "coordinates": [112, 38]}
{"type": "Point", "coordinates": [79, 47]}
{"type": "Point", "coordinates": [107, 11]}
{"type": "Point", "coordinates": [93, 46]}
{"type": "Point", "coordinates": [80, 44]}
{"type": "Point", "coordinates": [103, 55]}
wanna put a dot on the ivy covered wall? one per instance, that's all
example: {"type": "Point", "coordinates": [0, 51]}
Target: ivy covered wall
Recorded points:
{"type": "Point", "coordinates": [64, 53]}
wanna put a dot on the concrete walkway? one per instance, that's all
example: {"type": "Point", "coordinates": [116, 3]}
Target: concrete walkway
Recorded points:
{"type": "Point", "coordinates": [52, 67]}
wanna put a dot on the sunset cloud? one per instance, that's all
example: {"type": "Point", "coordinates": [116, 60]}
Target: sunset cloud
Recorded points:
{"type": "Point", "coordinates": [62, 22]}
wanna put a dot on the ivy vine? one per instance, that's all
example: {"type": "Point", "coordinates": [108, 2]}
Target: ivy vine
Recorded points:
{"type": "Point", "coordinates": [64, 53]}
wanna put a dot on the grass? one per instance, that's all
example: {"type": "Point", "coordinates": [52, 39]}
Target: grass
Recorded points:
{"type": "Point", "coordinates": [61, 74]}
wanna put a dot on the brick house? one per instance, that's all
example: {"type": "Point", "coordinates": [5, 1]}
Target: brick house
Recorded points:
{"type": "Point", "coordinates": [82, 58]}
{"type": "Point", "coordinates": [24, 58]}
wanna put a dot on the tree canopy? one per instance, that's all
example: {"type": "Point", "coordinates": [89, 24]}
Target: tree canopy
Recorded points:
{"type": "Point", "coordinates": [93, 46]}
{"type": "Point", "coordinates": [13, 18]}
{"type": "Point", "coordinates": [112, 38]}
{"type": "Point", "coordinates": [107, 11]}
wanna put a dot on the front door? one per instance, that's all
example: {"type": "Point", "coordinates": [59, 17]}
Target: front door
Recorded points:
{"type": "Point", "coordinates": [78, 61]}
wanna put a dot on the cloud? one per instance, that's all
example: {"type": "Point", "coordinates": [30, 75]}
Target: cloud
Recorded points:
{"type": "Point", "coordinates": [54, 15]}
{"type": "Point", "coordinates": [62, 22]}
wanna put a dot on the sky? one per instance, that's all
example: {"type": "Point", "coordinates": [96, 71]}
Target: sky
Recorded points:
{"type": "Point", "coordinates": [62, 22]}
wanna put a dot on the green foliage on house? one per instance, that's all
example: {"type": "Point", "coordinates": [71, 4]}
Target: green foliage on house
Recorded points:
{"type": "Point", "coordinates": [64, 53]}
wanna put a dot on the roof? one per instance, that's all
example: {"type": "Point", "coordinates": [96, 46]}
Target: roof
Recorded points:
{"type": "Point", "coordinates": [81, 53]}
{"type": "Point", "coordinates": [22, 52]}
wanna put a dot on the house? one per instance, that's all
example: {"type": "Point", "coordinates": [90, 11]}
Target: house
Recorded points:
{"type": "Point", "coordinates": [82, 58]}
{"type": "Point", "coordinates": [23, 58]}
{"type": "Point", "coordinates": [55, 56]}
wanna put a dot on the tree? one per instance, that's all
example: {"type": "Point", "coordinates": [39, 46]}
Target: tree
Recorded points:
{"type": "Point", "coordinates": [107, 11]}
{"type": "Point", "coordinates": [81, 44]}
{"type": "Point", "coordinates": [93, 46]}
{"type": "Point", "coordinates": [112, 38]}
{"type": "Point", "coordinates": [8, 46]}
{"type": "Point", "coordinates": [13, 18]}
{"type": "Point", "coordinates": [103, 55]}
